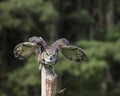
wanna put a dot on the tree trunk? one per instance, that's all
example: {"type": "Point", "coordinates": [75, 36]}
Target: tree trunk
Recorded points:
{"type": "Point", "coordinates": [110, 15]}
{"type": "Point", "coordinates": [107, 83]}
{"type": "Point", "coordinates": [53, 30]}
{"type": "Point", "coordinates": [78, 5]}
{"type": "Point", "coordinates": [50, 85]}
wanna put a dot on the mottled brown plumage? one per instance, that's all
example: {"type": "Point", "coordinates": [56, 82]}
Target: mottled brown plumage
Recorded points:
{"type": "Point", "coordinates": [48, 54]}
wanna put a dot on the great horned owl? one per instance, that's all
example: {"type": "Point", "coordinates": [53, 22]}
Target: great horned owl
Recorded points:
{"type": "Point", "coordinates": [48, 55]}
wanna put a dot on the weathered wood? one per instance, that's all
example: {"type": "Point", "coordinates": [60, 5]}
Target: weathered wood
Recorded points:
{"type": "Point", "coordinates": [50, 85]}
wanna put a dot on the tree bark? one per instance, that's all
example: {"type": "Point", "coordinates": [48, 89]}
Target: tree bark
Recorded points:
{"type": "Point", "coordinates": [110, 16]}
{"type": "Point", "coordinates": [50, 85]}
{"type": "Point", "coordinates": [53, 30]}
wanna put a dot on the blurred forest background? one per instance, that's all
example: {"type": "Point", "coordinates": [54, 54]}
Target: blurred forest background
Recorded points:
{"type": "Point", "coordinates": [93, 25]}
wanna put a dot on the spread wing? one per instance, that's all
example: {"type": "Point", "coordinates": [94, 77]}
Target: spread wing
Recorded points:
{"type": "Point", "coordinates": [25, 49]}
{"type": "Point", "coordinates": [73, 53]}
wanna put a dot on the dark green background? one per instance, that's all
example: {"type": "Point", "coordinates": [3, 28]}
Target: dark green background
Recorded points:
{"type": "Point", "coordinates": [93, 25]}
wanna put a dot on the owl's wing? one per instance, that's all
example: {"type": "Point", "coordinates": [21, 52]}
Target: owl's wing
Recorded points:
{"type": "Point", "coordinates": [73, 53]}
{"type": "Point", "coordinates": [25, 49]}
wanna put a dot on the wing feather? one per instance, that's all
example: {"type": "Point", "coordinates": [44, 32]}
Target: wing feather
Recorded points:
{"type": "Point", "coordinates": [73, 53]}
{"type": "Point", "coordinates": [25, 49]}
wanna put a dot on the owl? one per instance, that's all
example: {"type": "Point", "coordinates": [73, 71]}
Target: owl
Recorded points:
{"type": "Point", "coordinates": [48, 54]}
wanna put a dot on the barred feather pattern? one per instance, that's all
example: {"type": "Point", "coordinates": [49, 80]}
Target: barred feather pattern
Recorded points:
{"type": "Point", "coordinates": [49, 54]}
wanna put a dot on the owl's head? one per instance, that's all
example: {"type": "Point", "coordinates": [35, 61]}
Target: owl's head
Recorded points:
{"type": "Point", "coordinates": [49, 56]}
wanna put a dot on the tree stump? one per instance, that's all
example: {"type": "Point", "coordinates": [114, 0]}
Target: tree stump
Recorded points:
{"type": "Point", "coordinates": [50, 85]}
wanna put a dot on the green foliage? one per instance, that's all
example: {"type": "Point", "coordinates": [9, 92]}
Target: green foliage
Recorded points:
{"type": "Point", "coordinates": [82, 15]}
{"type": "Point", "coordinates": [114, 35]}
{"type": "Point", "coordinates": [96, 54]}
{"type": "Point", "coordinates": [29, 74]}
{"type": "Point", "coordinates": [49, 13]}
{"type": "Point", "coordinates": [15, 12]}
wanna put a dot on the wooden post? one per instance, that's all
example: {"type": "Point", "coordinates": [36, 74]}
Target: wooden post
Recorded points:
{"type": "Point", "coordinates": [50, 85]}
